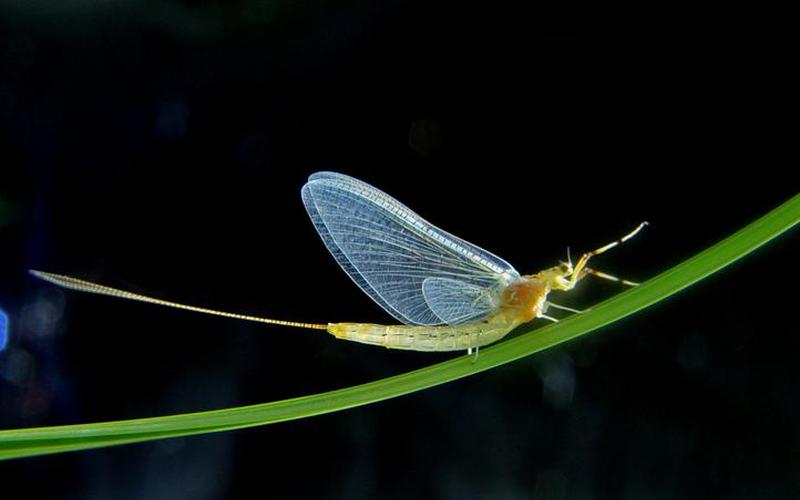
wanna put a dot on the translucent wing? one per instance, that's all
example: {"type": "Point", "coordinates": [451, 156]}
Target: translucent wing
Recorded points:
{"type": "Point", "coordinates": [455, 302]}
{"type": "Point", "coordinates": [389, 251]}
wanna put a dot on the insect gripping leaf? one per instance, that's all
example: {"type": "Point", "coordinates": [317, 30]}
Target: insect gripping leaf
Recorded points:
{"type": "Point", "coordinates": [391, 253]}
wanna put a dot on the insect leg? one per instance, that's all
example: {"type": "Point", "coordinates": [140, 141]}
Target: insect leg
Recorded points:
{"type": "Point", "coordinates": [565, 308]}
{"type": "Point", "coordinates": [475, 356]}
{"type": "Point", "coordinates": [610, 277]}
{"type": "Point", "coordinates": [580, 270]}
{"type": "Point", "coordinates": [549, 318]}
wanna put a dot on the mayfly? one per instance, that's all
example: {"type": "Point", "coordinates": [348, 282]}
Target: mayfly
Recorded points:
{"type": "Point", "coordinates": [449, 294]}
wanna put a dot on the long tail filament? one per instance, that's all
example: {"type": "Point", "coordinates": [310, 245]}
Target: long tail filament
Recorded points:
{"type": "Point", "coordinates": [87, 286]}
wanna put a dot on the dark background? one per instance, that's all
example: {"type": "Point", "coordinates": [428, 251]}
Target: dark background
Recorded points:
{"type": "Point", "coordinates": [160, 146]}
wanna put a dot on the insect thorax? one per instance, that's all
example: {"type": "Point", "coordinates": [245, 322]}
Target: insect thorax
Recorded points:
{"type": "Point", "coordinates": [524, 300]}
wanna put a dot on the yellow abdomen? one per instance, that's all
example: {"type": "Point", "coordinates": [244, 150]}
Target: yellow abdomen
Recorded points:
{"type": "Point", "coordinates": [423, 338]}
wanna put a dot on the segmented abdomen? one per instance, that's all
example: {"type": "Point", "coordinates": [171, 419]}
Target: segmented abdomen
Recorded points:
{"type": "Point", "coordinates": [422, 338]}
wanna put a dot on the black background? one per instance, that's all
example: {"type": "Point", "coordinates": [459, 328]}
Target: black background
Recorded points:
{"type": "Point", "coordinates": [160, 147]}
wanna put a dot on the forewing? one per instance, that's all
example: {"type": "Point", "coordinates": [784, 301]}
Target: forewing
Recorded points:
{"type": "Point", "coordinates": [389, 251]}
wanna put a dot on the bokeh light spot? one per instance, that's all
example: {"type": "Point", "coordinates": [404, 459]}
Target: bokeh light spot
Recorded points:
{"type": "Point", "coordinates": [3, 329]}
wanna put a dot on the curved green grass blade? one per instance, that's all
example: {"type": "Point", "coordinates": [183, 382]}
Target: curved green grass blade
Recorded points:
{"type": "Point", "coordinates": [17, 443]}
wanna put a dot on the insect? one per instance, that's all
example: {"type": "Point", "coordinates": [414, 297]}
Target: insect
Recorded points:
{"type": "Point", "coordinates": [449, 294]}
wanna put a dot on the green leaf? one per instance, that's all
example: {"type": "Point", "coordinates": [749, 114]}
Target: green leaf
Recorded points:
{"type": "Point", "coordinates": [17, 443]}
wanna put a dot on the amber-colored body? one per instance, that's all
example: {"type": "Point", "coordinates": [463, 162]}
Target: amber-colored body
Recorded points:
{"type": "Point", "coordinates": [520, 303]}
